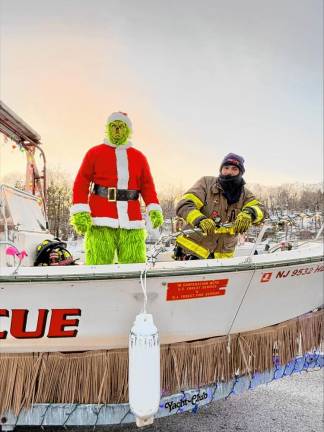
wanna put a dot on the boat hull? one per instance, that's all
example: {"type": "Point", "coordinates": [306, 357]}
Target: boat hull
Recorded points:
{"type": "Point", "coordinates": [93, 308]}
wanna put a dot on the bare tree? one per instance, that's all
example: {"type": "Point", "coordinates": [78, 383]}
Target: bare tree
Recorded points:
{"type": "Point", "coordinates": [168, 200]}
{"type": "Point", "coordinates": [58, 203]}
{"type": "Point", "coordinates": [290, 197]}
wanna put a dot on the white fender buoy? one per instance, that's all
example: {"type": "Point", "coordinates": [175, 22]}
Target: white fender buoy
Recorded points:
{"type": "Point", "coordinates": [144, 369]}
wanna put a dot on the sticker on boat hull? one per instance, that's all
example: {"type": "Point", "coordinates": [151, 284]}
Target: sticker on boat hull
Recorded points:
{"type": "Point", "coordinates": [303, 271]}
{"type": "Point", "coordinates": [196, 289]}
{"type": "Point", "coordinates": [59, 320]}
{"type": "Point", "coordinates": [266, 277]}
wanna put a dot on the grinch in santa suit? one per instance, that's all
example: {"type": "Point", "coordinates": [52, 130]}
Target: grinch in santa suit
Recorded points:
{"type": "Point", "coordinates": [106, 191]}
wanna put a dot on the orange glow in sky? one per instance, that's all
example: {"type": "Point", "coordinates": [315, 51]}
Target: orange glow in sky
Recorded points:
{"type": "Point", "coordinates": [218, 80]}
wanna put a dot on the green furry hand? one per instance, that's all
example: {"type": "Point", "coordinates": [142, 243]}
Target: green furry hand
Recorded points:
{"type": "Point", "coordinates": [156, 218]}
{"type": "Point", "coordinates": [81, 222]}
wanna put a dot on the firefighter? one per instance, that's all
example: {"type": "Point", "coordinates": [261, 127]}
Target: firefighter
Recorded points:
{"type": "Point", "coordinates": [212, 201]}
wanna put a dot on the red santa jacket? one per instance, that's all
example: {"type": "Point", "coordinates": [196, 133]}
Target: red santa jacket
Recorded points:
{"type": "Point", "coordinates": [121, 167]}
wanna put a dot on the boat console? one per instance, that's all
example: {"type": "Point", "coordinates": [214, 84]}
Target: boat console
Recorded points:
{"type": "Point", "coordinates": [22, 224]}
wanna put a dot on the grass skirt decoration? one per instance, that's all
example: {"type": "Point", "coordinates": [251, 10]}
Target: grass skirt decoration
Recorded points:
{"type": "Point", "coordinates": [98, 377]}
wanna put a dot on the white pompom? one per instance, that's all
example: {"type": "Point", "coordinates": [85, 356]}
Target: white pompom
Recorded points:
{"type": "Point", "coordinates": [144, 369]}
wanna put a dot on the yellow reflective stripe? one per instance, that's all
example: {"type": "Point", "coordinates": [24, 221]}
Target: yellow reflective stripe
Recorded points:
{"type": "Point", "coordinates": [254, 204]}
{"type": "Point", "coordinates": [220, 255]}
{"type": "Point", "coordinates": [192, 216]}
{"type": "Point", "coordinates": [259, 214]}
{"type": "Point", "coordinates": [251, 203]}
{"type": "Point", "coordinates": [193, 247]}
{"type": "Point", "coordinates": [191, 197]}
{"type": "Point", "coordinates": [225, 230]}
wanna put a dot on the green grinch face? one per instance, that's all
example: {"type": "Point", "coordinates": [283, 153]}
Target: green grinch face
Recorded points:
{"type": "Point", "coordinates": [117, 132]}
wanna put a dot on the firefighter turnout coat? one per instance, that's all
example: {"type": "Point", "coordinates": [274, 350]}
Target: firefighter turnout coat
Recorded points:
{"type": "Point", "coordinates": [205, 198]}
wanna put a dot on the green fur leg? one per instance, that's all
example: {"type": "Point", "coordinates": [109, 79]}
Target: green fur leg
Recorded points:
{"type": "Point", "coordinates": [100, 245]}
{"type": "Point", "coordinates": [81, 222]}
{"type": "Point", "coordinates": [131, 246]}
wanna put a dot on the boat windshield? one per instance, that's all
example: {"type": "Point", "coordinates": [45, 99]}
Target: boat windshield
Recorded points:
{"type": "Point", "coordinates": [21, 211]}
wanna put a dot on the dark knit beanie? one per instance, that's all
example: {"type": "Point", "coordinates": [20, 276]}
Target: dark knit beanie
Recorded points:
{"type": "Point", "coordinates": [234, 159]}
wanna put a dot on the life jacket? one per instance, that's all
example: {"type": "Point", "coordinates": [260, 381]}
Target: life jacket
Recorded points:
{"type": "Point", "coordinates": [53, 253]}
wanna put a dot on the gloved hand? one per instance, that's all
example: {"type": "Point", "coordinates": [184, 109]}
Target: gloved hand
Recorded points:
{"type": "Point", "coordinates": [81, 222]}
{"type": "Point", "coordinates": [156, 218]}
{"type": "Point", "coordinates": [242, 222]}
{"type": "Point", "coordinates": [208, 226]}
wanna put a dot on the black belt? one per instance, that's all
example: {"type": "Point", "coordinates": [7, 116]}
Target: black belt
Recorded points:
{"type": "Point", "coordinates": [113, 194]}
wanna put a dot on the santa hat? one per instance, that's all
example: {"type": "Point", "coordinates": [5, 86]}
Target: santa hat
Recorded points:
{"type": "Point", "coordinates": [122, 117]}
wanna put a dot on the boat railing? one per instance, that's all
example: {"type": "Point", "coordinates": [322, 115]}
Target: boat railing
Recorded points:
{"type": "Point", "coordinates": [164, 239]}
{"type": "Point", "coordinates": [268, 224]}
{"type": "Point", "coordinates": [320, 232]}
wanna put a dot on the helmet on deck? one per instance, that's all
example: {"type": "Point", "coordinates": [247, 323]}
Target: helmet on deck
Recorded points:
{"type": "Point", "coordinates": [53, 253]}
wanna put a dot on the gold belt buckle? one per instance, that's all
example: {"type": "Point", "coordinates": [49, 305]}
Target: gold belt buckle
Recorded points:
{"type": "Point", "coordinates": [112, 194]}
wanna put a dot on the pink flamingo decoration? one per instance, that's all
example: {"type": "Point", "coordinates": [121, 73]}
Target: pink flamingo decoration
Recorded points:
{"type": "Point", "coordinates": [13, 251]}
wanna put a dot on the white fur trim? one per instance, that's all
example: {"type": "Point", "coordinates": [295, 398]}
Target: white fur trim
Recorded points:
{"type": "Point", "coordinates": [77, 208]}
{"type": "Point", "coordinates": [153, 207]}
{"type": "Point", "coordinates": [122, 183]}
{"type": "Point", "coordinates": [120, 116]}
{"type": "Point", "coordinates": [105, 221]}
{"type": "Point", "coordinates": [135, 225]}
{"type": "Point", "coordinates": [122, 168]}
{"type": "Point", "coordinates": [122, 146]}
{"type": "Point", "coordinates": [114, 223]}
{"type": "Point", "coordinates": [122, 207]}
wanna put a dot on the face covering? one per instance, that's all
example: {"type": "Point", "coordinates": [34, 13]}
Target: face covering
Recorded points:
{"type": "Point", "coordinates": [117, 132]}
{"type": "Point", "coordinates": [232, 186]}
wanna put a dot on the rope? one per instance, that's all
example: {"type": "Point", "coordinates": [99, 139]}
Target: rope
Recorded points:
{"type": "Point", "coordinates": [238, 309]}
{"type": "Point", "coordinates": [143, 285]}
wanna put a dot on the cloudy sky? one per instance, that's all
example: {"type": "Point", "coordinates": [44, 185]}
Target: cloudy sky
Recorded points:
{"type": "Point", "coordinates": [199, 79]}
